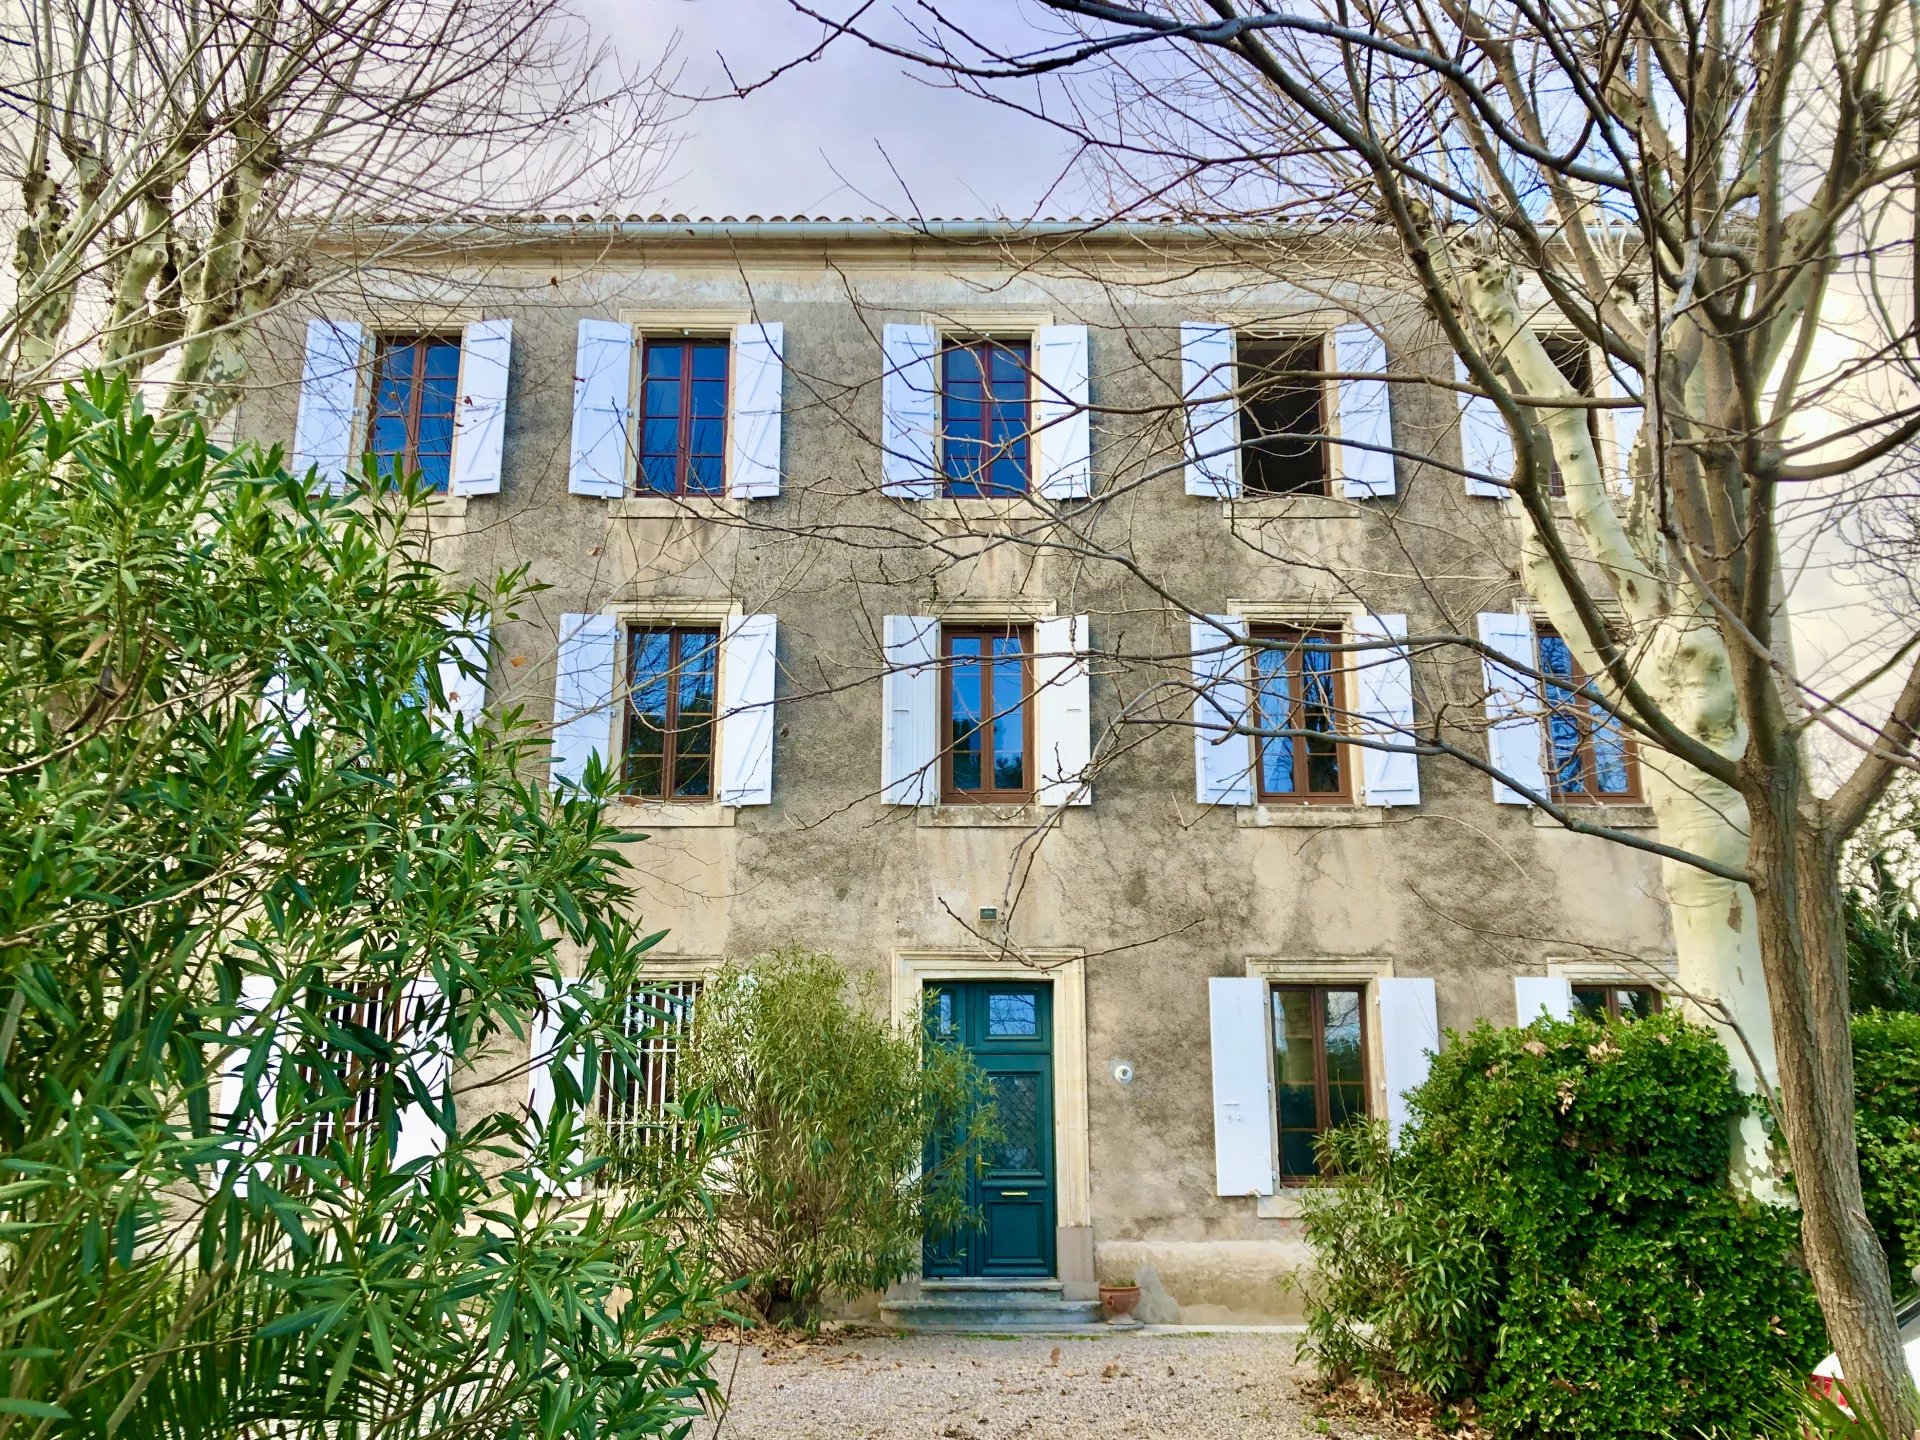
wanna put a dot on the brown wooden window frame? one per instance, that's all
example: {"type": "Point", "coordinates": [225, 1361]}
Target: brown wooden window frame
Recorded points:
{"type": "Point", "coordinates": [1317, 992]}
{"type": "Point", "coordinates": [1290, 641]}
{"type": "Point", "coordinates": [407, 460]}
{"type": "Point", "coordinates": [1609, 991]}
{"type": "Point", "coordinates": [1020, 346]}
{"type": "Point", "coordinates": [1289, 350]}
{"type": "Point", "coordinates": [683, 454]}
{"type": "Point", "coordinates": [991, 705]}
{"type": "Point", "coordinates": [1585, 722]}
{"type": "Point", "coordinates": [672, 730]}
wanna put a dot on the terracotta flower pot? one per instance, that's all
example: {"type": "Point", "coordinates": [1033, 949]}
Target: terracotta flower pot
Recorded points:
{"type": "Point", "coordinates": [1119, 1300]}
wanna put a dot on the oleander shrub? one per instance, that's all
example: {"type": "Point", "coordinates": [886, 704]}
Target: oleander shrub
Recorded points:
{"type": "Point", "coordinates": [1555, 1239]}
{"type": "Point", "coordinates": [1886, 1092]}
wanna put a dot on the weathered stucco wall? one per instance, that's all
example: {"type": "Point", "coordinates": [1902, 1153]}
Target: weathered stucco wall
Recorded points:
{"type": "Point", "coordinates": [1158, 893]}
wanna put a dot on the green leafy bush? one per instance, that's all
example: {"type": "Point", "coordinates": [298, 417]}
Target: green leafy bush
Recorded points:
{"type": "Point", "coordinates": [204, 879]}
{"type": "Point", "coordinates": [1556, 1240]}
{"type": "Point", "coordinates": [825, 1192]}
{"type": "Point", "coordinates": [1886, 1091]}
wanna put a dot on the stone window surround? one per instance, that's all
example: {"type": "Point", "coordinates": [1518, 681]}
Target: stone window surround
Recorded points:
{"type": "Point", "coordinates": [1066, 971]}
{"type": "Point", "coordinates": [1361, 970]}
{"type": "Point", "coordinates": [661, 814]}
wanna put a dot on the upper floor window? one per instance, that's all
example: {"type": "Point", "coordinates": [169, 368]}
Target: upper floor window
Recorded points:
{"type": "Point", "coordinates": [1574, 357]}
{"type": "Point", "coordinates": [1319, 1069]}
{"type": "Point", "coordinates": [1283, 415]}
{"type": "Point", "coordinates": [416, 382]}
{"type": "Point", "coordinates": [683, 416]}
{"type": "Point", "coordinates": [1591, 755]}
{"type": "Point", "coordinates": [1299, 687]}
{"type": "Point", "coordinates": [1617, 1002]}
{"type": "Point", "coordinates": [671, 675]}
{"type": "Point", "coordinates": [986, 714]}
{"type": "Point", "coordinates": [984, 421]}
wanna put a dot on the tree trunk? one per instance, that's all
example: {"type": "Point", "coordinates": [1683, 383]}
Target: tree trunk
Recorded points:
{"type": "Point", "coordinates": [1794, 859]}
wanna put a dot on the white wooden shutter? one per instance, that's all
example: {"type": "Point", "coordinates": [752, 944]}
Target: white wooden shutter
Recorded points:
{"type": "Point", "coordinates": [1062, 425]}
{"type": "Point", "coordinates": [758, 373]}
{"type": "Point", "coordinates": [1243, 1119]}
{"type": "Point", "coordinates": [423, 1040]}
{"type": "Point", "coordinates": [1223, 761]}
{"type": "Point", "coordinates": [543, 1034]}
{"type": "Point", "coordinates": [480, 416]}
{"type": "Point", "coordinates": [910, 413]}
{"type": "Point", "coordinates": [1364, 456]}
{"type": "Point", "coordinates": [1486, 446]}
{"type": "Point", "coordinates": [256, 994]}
{"type": "Point", "coordinates": [583, 685]}
{"type": "Point", "coordinates": [1409, 1039]}
{"type": "Point", "coordinates": [1207, 383]}
{"type": "Point", "coordinates": [1063, 728]}
{"type": "Point", "coordinates": [910, 711]}
{"type": "Point", "coordinates": [463, 672]}
{"type": "Point", "coordinates": [1537, 995]}
{"type": "Point", "coordinates": [1388, 777]}
{"type": "Point", "coordinates": [284, 706]}
{"type": "Point", "coordinates": [602, 397]}
{"type": "Point", "coordinates": [327, 427]}
{"type": "Point", "coordinates": [1515, 725]}
{"type": "Point", "coordinates": [747, 672]}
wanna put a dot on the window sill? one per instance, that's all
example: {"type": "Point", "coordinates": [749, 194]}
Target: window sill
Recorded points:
{"type": "Point", "coordinates": [675, 507]}
{"type": "Point", "coordinates": [1620, 816]}
{"type": "Point", "coordinates": [1294, 507]}
{"type": "Point", "coordinates": [1283, 1204]}
{"type": "Point", "coordinates": [1309, 817]}
{"type": "Point", "coordinates": [658, 815]}
{"type": "Point", "coordinates": [983, 816]}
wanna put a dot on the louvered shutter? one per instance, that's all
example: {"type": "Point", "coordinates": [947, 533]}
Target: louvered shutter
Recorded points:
{"type": "Point", "coordinates": [1063, 729]}
{"type": "Point", "coordinates": [1207, 383]}
{"type": "Point", "coordinates": [747, 670]}
{"type": "Point", "coordinates": [1409, 1039]}
{"type": "Point", "coordinates": [425, 1116]}
{"type": "Point", "coordinates": [463, 672]}
{"type": "Point", "coordinates": [1364, 456]}
{"type": "Point", "coordinates": [602, 398]}
{"type": "Point", "coordinates": [1515, 729]}
{"type": "Point", "coordinates": [758, 374]}
{"type": "Point", "coordinates": [1537, 995]}
{"type": "Point", "coordinates": [910, 418]}
{"type": "Point", "coordinates": [583, 686]}
{"type": "Point", "coordinates": [1486, 446]}
{"type": "Point", "coordinates": [910, 711]}
{"type": "Point", "coordinates": [480, 416]}
{"type": "Point", "coordinates": [326, 429]}
{"type": "Point", "coordinates": [1223, 761]}
{"type": "Point", "coordinates": [1243, 1118]}
{"type": "Point", "coordinates": [1061, 422]}
{"type": "Point", "coordinates": [1389, 777]}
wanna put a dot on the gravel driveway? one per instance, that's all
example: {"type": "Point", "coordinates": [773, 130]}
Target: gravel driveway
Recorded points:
{"type": "Point", "coordinates": [940, 1387]}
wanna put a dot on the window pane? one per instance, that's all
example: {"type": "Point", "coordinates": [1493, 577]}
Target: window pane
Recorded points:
{"type": "Point", "coordinates": [965, 675]}
{"type": "Point", "coordinates": [706, 437]}
{"type": "Point", "coordinates": [1637, 1002]}
{"type": "Point", "coordinates": [1013, 1015]}
{"type": "Point", "coordinates": [657, 473]}
{"type": "Point", "coordinates": [663, 361]}
{"type": "Point", "coordinates": [1296, 1154]}
{"type": "Point", "coordinates": [651, 655]}
{"type": "Point", "coordinates": [1343, 1036]}
{"type": "Point", "coordinates": [709, 399]}
{"type": "Point", "coordinates": [710, 361]}
{"type": "Point", "coordinates": [1320, 715]}
{"type": "Point", "coordinates": [962, 366]}
{"type": "Point", "coordinates": [705, 475]}
{"type": "Point", "coordinates": [1563, 708]}
{"type": "Point", "coordinates": [1010, 723]}
{"type": "Point", "coordinates": [1610, 756]}
{"type": "Point", "coordinates": [660, 437]}
{"type": "Point", "coordinates": [663, 399]}
{"type": "Point", "coordinates": [1273, 699]}
{"type": "Point", "coordinates": [693, 730]}
{"type": "Point", "coordinates": [1591, 1003]}
{"type": "Point", "coordinates": [1007, 368]}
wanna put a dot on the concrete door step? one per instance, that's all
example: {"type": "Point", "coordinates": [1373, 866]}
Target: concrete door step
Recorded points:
{"type": "Point", "coordinates": [990, 1306]}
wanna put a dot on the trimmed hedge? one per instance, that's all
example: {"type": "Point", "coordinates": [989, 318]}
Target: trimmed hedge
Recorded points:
{"type": "Point", "coordinates": [1556, 1240]}
{"type": "Point", "coordinates": [1886, 1091]}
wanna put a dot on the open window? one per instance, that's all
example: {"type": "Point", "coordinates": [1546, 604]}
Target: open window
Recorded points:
{"type": "Point", "coordinates": [1283, 415]}
{"type": "Point", "coordinates": [1617, 1002]}
{"type": "Point", "coordinates": [1574, 357]}
{"type": "Point", "coordinates": [1319, 1069]}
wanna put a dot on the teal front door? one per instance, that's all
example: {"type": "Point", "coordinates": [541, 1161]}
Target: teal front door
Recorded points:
{"type": "Point", "coordinates": [1008, 1029]}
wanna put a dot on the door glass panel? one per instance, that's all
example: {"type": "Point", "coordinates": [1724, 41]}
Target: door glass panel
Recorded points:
{"type": "Point", "coordinates": [1018, 1100]}
{"type": "Point", "coordinates": [1293, 1058]}
{"type": "Point", "coordinates": [1013, 1015]}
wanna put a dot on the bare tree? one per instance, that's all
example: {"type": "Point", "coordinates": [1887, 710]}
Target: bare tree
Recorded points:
{"type": "Point", "coordinates": [173, 160]}
{"type": "Point", "coordinates": [1697, 194]}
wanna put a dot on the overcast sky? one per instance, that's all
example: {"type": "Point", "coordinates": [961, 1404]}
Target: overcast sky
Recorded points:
{"type": "Point", "coordinates": [854, 132]}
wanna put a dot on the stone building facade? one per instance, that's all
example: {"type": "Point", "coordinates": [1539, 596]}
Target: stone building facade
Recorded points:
{"type": "Point", "coordinates": [755, 465]}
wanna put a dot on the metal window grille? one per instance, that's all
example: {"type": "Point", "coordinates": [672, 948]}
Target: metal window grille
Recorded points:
{"type": "Point", "coordinates": [634, 1102]}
